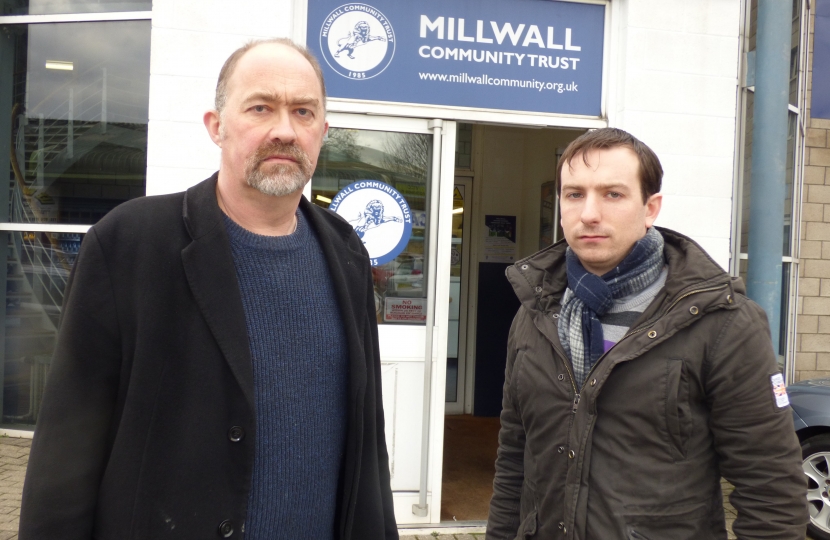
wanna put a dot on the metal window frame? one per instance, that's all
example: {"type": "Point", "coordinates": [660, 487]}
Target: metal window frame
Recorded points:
{"type": "Point", "coordinates": [9, 20]}
{"type": "Point", "coordinates": [77, 17]}
{"type": "Point", "coordinates": [798, 159]}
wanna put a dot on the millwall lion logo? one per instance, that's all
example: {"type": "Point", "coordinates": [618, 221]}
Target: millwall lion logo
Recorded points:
{"type": "Point", "coordinates": [380, 216]}
{"type": "Point", "coordinates": [361, 35]}
{"type": "Point", "coordinates": [348, 28]}
{"type": "Point", "coordinates": [372, 217]}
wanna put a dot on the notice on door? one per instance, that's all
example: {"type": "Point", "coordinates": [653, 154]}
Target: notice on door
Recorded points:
{"type": "Point", "coordinates": [405, 310]}
{"type": "Point", "coordinates": [499, 239]}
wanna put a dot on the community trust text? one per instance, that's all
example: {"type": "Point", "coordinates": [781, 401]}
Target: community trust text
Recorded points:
{"type": "Point", "coordinates": [522, 35]}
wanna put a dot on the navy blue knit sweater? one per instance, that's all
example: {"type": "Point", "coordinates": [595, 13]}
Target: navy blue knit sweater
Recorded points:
{"type": "Point", "coordinates": [300, 366]}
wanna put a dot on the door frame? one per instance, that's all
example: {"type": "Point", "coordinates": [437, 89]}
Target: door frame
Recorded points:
{"type": "Point", "coordinates": [405, 344]}
{"type": "Point", "coordinates": [457, 406]}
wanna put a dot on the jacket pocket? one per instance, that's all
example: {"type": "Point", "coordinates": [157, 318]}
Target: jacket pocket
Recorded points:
{"type": "Point", "coordinates": [684, 523]}
{"type": "Point", "coordinates": [678, 410]}
{"type": "Point", "coordinates": [527, 529]}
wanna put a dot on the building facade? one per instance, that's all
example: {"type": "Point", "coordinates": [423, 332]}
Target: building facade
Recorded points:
{"type": "Point", "coordinates": [461, 107]}
{"type": "Point", "coordinates": [813, 325]}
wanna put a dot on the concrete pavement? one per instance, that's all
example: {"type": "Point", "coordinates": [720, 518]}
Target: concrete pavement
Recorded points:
{"type": "Point", "coordinates": [14, 454]}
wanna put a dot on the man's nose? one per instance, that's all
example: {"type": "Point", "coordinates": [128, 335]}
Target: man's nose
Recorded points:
{"type": "Point", "coordinates": [282, 129]}
{"type": "Point", "coordinates": [591, 212]}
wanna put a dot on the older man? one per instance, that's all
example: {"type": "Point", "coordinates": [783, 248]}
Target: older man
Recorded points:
{"type": "Point", "coordinates": [637, 374]}
{"type": "Point", "coordinates": [217, 371]}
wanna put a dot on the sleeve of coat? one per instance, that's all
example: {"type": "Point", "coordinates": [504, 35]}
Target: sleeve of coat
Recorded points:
{"type": "Point", "coordinates": [391, 525]}
{"type": "Point", "coordinates": [70, 446]}
{"type": "Point", "coordinates": [503, 521]}
{"type": "Point", "coordinates": [758, 449]}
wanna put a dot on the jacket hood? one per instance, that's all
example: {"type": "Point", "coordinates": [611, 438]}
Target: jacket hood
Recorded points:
{"type": "Point", "coordinates": [540, 279]}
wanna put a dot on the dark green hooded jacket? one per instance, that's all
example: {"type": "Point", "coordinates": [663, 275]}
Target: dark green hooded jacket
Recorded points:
{"type": "Point", "coordinates": [638, 453]}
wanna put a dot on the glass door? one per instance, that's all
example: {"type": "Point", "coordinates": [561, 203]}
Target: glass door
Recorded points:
{"type": "Point", "coordinates": [457, 320]}
{"type": "Point", "coordinates": [383, 176]}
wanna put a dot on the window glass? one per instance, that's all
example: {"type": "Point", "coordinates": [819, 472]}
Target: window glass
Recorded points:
{"type": "Point", "coordinates": [464, 146]}
{"type": "Point", "coordinates": [747, 178]}
{"type": "Point", "coordinates": [789, 176]}
{"type": "Point", "coordinates": [403, 161]}
{"type": "Point", "coordinates": [78, 119]}
{"type": "Point", "coordinates": [37, 268]}
{"type": "Point", "coordinates": [459, 198]}
{"type": "Point", "coordinates": [49, 7]}
{"type": "Point", "coordinates": [795, 42]}
{"type": "Point", "coordinates": [785, 303]}
{"type": "Point", "coordinates": [746, 186]}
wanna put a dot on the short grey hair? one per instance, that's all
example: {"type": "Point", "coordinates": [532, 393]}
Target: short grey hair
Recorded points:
{"type": "Point", "coordinates": [228, 68]}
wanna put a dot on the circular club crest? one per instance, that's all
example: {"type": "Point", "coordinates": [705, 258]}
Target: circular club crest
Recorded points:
{"type": "Point", "coordinates": [380, 216]}
{"type": "Point", "coordinates": [357, 41]}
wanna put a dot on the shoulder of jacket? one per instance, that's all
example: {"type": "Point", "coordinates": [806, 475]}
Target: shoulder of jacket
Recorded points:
{"type": "Point", "coordinates": [745, 304]}
{"type": "Point", "coordinates": [142, 213]}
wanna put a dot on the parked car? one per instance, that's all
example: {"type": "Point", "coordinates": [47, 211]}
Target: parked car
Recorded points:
{"type": "Point", "coordinates": [810, 402]}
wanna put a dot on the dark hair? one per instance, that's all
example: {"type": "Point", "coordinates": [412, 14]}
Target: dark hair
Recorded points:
{"type": "Point", "coordinates": [230, 65]}
{"type": "Point", "coordinates": [651, 172]}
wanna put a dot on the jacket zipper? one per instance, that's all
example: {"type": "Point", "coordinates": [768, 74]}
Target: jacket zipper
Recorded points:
{"type": "Point", "coordinates": [641, 329]}
{"type": "Point", "coordinates": [570, 377]}
{"type": "Point", "coordinates": [636, 331]}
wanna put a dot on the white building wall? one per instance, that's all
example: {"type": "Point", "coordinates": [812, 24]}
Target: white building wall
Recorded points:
{"type": "Point", "coordinates": [674, 83]}
{"type": "Point", "coordinates": [190, 41]}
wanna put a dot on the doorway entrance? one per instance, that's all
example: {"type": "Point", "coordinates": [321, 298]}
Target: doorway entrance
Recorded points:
{"type": "Point", "coordinates": [443, 305]}
{"type": "Point", "coordinates": [504, 209]}
{"type": "Point", "coordinates": [404, 229]}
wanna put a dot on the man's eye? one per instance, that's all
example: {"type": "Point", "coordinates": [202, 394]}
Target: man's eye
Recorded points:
{"type": "Point", "coordinates": [573, 195]}
{"type": "Point", "coordinates": [259, 108]}
{"type": "Point", "coordinates": [614, 195]}
{"type": "Point", "coordinates": [304, 112]}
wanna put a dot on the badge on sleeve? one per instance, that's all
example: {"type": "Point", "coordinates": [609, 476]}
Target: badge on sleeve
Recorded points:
{"type": "Point", "coordinates": [779, 391]}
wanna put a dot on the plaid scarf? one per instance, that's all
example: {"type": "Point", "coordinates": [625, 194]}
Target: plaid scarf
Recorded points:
{"type": "Point", "coordinates": [588, 297]}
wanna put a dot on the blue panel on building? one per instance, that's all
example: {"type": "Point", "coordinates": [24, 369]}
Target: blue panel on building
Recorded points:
{"type": "Point", "coordinates": [820, 103]}
{"type": "Point", "coordinates": [527, 55]}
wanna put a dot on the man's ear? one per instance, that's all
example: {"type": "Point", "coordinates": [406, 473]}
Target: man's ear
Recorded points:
{"type": "Point", "coordinates": [653, 205]}
{"type": "Point", "coordinates": [212, 123]}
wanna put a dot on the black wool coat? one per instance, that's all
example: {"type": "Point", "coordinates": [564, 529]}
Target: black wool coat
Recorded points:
{"type": "Point", "coordinates": [147, 426]}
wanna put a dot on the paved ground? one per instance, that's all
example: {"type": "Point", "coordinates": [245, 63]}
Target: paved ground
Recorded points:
{"type": "Point", "coordinates": [14, 454]}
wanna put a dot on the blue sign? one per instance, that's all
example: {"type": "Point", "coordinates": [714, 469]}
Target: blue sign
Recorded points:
{"type": "Point", "coordinates": [380, 216]}
{"type": "Point", "coordinates": [526, 55]}
{"type": "Point", "coordinates": [820, 101]}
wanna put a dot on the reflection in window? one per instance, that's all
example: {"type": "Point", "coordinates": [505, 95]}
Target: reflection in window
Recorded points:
{"type": "Point", "coordinates": [46, 7]}
{"type": "Point", "coordinates": [795, 41]}
{"type": "Point", "coordinates": [77, 112]}
{"type": "Point", "coordinates": [37, 268]}
{"type": "Point", "coordinates": [402, 160]}
{"type": "Point", "coordinates": [785, 304]}
{"type": "Point", "coordinates": [789, 177]}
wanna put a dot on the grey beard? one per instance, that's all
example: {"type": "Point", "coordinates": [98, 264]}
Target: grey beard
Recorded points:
{"type": "Point", "coordinates": [279, 181]}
